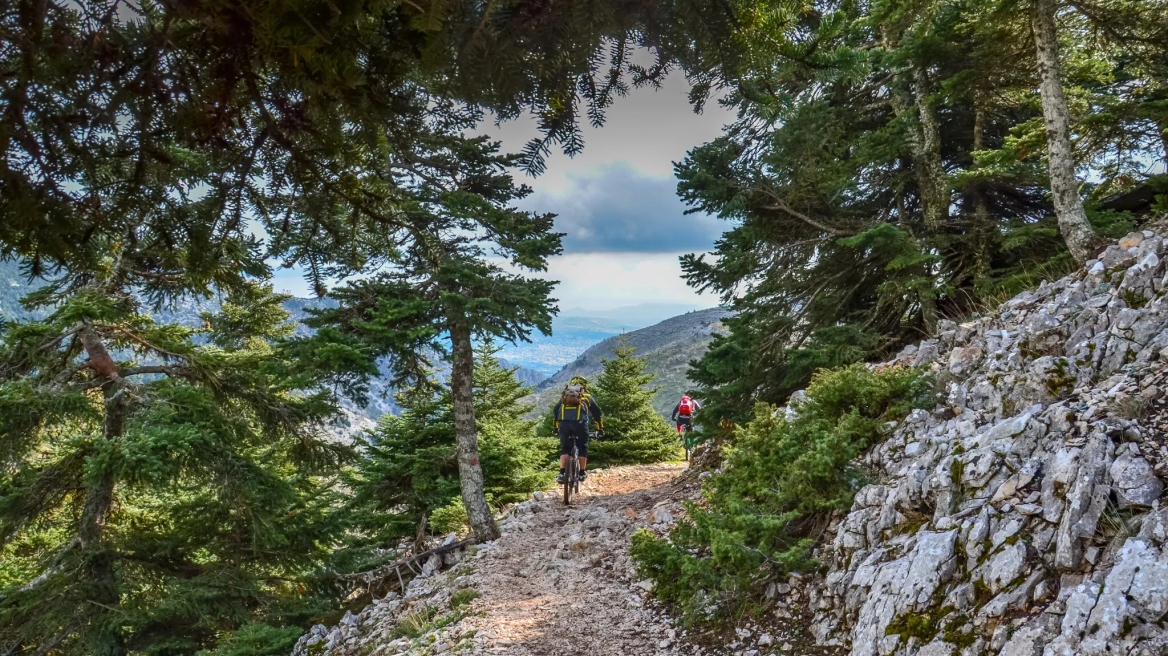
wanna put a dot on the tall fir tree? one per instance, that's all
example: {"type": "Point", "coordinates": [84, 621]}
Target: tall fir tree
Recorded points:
{"type": "Point", "coordinates": [633, 431]}
{"type": "Point", "coordinates": [1064, 184]}
{"type": "Point", "coordinates": [441, 285]}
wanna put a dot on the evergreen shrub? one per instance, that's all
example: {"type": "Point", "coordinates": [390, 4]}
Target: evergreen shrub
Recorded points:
{"type": "Point", "coordinates": [634, 433]}
{"type": "Point", "coordinates": [783, 477]}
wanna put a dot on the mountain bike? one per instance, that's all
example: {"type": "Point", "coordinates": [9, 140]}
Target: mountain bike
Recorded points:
{"type": "Point", "coordinates": [688, 440]}
{"type": "Point", "coordinates": [572, 471]}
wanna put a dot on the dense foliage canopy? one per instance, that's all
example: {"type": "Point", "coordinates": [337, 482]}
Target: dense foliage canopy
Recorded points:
{"type": "Point", "coordinates": [889, 167]}
{"type": "Point", "coordinates": [161, 484]}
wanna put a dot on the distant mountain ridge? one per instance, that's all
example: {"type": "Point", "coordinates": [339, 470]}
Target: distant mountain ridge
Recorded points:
{"type": "Point", "coordinates": [668, 346]}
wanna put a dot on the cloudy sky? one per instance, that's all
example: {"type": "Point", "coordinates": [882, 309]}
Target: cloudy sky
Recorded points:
{"type": "Point", "coordinates": [625, 226]}
{"type": "Point", "coordinates": [617, 203]}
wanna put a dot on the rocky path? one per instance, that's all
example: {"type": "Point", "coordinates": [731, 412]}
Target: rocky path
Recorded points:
{"type": "Point", "coordinates": [560, 582]}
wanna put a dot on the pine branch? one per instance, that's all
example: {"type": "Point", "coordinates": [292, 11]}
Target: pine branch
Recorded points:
{"type": "Point", "coordinates": [141, 341]}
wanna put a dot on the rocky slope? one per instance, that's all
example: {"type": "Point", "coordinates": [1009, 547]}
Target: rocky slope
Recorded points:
{"type": "Point", "coordinates": [1023, 515]}
{"type": "Point", "coordinates": [669, 346]}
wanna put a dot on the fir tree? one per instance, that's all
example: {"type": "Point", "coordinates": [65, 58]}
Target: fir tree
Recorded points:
{"type": "Point", "coordinates": [633, 431]}
{"type": "Point", "coordinates": [890, 169]}
{"type": "Point", "coordinates": [516, 461]}
{"type": "Point", "coordinates": [1064, 186]}
{"type": "Point", "coordinates": [162, 484]}
{"type": "Point", "coordinates": [441, 281]}
{"type": "Point", "coordinates": [410, 468]}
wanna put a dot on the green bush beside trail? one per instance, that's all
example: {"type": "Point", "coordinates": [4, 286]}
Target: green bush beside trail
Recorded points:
{"type": "Point", "coordinates": [782, 479]}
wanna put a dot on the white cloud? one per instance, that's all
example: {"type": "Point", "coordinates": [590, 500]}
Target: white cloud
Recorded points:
{"type": "Point", "coordinates": [646, 132]}
{"type": "Point", "coordinates": [602, 281]}
{"type": "Point", "coordinates": [619, 209]}
{"type": "Point", "coordinates": [648, 129]}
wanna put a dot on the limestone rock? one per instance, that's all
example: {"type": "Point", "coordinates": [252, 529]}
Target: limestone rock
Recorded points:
{"type": "Point", "coordinates": [1134, 481]}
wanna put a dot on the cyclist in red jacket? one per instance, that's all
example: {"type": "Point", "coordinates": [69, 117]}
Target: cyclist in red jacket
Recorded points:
{"type": "Point", "coordinates": [684, 412]}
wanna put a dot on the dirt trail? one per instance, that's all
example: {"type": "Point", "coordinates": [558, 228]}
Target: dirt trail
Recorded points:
{"type": "Point", "coordinates": [559, 582]}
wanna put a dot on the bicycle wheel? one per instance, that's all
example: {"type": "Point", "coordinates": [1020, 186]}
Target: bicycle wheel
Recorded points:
{"type": "Point", "coordinates": [570, 473]}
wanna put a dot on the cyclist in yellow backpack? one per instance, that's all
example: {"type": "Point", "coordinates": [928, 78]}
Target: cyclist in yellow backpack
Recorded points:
{"type": "Point", "coordinates": [571, 417]}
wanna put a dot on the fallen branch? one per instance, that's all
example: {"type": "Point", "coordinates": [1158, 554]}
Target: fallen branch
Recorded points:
{"type": "Point", "coordinates": [383, 572]}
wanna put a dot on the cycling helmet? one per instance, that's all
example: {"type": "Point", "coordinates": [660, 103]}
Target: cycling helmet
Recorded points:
{"type": "Point", "coordinates": [578, 380]}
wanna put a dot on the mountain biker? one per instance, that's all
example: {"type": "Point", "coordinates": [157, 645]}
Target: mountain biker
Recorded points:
{"type": "Point", "coordinates": [684, 411]}
{"type": "Point", "coordinates": [571, 417]}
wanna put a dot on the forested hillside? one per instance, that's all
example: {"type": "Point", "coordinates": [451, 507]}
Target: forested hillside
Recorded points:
{"type": "Point", "coordinates": [668, 348]}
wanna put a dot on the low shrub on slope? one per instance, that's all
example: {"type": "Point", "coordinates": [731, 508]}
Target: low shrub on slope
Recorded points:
{"type": "Point", "coordinates": [784, 475]}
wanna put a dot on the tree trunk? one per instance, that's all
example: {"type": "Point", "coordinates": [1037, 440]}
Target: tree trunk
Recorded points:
{"type": "Point", "coordinates": [981, 212]}
{"type": "Point", "coordinates": [1163, 139]}
{"type": "Point", "coordinates": [99, 500]}
{"type": "Point", "coordinates": [1064, 187]}
{"type": "Point", "coordinates": [470, 472]}
{"type": "Point", "coordinates": [930, 171]}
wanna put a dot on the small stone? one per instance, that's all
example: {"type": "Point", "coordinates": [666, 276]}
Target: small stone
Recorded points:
{"type": "Point", "coordinates": [1040, 591]}
{"type": "Point", "coordinates": [1131, 240]}
{"type": "Point", "coordinates": [537, 495]}
{"type": "Point", "coordinates": [1091, 555]}
{"type": "Point", "coordinates": [1005, 490]}
{"type": "Point", "coordinates": [962, 360]}
{"type": "Point", "coordinates": [660, 516]}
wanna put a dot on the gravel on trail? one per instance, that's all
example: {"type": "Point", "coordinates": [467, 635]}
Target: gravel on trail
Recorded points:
{"type": "Point", "coordinates": [560, 582]}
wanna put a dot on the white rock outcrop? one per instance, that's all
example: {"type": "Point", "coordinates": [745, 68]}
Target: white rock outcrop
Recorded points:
{"type": "Point", "coordinates": [1022, 515]}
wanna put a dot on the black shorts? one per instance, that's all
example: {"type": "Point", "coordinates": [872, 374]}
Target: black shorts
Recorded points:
{"type": "Point", "coordinates": [573, 428]}
{"type": "Point", "coordinates": [685, 421]}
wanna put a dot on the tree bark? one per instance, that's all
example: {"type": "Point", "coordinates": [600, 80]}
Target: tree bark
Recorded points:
{"type": "Point", "coordinates": [470, 471]}
{"type": "Point", "coordinates": [924, 134]}
{"type": "Point", "coordinates": [981, 212]}
{"type": "Point", "coordinates": [1064, 187]}
{"type": "Point", "coordinates": [1163, 138]}
{"type": "Point", "coordinates": [99, 499]}
{"type": "Point", "coordinates": [930, 171]}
